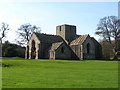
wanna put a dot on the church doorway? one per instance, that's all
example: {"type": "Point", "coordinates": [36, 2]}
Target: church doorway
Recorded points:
{"type": "Point", "coordinates": [33, 50]}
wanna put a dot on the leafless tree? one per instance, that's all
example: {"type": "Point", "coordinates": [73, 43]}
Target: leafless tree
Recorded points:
{"type": "Point", "coordinates": [109, 29]}
{"type": "Point", "coordinates": [3, 29]}
{"type": "Point", "coordinates": [25, 31]}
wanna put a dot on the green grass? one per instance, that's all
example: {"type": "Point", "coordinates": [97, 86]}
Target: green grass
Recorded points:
{"type": "Point", "coordinates": [59, 74]}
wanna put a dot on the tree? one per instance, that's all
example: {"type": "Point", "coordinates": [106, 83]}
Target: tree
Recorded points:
{"type": "Point", "coordinates": [3, 29]}
{"type": "Point", "coordinates": [12, 50]}
{"type": "Point", "coordinates": [109, 29]}
{"type": "Point", "coordinates": [107, 50]}
{"type": "Point", "coordinates": [25, 31]}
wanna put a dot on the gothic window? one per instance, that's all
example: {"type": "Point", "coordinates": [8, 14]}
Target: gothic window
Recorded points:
{"type": "Point", "coordinates": [88, 48]}
{"type": "Point", "coordinates": [33, 50]}
{"type": "Point", "coordinates": [62, 50]}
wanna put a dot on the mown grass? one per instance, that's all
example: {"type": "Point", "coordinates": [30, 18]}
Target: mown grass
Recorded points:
{"type": "Point", "coordinates": [59, 74]}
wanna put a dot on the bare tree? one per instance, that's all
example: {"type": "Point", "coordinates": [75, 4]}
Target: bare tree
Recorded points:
{"type": "Point", "coordinates": [109, 29]}
{"type": "Point", "coordinates": [25, 31]}
{"type": "Point", "coordinates": [3, 29]}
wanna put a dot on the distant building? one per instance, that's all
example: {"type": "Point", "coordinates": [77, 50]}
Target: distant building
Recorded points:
{"type": "Point", "coordinates": [66, 44]}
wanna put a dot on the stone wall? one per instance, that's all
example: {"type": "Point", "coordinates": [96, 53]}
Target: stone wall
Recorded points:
{"type": "Point", "coordinates": [98, 49]}
{"type": "Point", "coordinates": [77, 50]}
{"type": "Point", "coordinates": [29, 47]}
{"type": "Point", "coordinates": [45, 50]}
{"type": "Point", "coordinates": [52, 54]}
{"type": "Point", "coordinates": [88, 52]}
{"type": "Point", "coordinates": [63, 52]}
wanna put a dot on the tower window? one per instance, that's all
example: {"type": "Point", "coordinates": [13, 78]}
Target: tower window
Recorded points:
{"type": "Point", "coordinates": [60, 28]}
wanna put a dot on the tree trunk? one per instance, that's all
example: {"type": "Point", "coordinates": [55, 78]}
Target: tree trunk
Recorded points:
{"type": "Point", "coordinates": [115, 57]}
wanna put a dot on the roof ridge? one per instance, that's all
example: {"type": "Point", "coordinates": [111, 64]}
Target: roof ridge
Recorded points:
{"type": "Point", "coordinates": [46, 34]}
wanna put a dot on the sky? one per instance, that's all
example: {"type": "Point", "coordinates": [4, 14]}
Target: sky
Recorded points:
{"type": "Point", "coordinates": [119, 10]}
{"type": "Point", "coordinates": [47, 15]}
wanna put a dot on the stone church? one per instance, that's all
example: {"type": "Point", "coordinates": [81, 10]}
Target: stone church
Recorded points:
{"type": "Point", "coordinates": [66, 44]}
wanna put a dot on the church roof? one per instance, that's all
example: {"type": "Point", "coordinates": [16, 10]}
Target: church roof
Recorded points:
{"type": "Point", "coordinates": [55, 45]}
{"type": "Point", "coordinates": [79, 40]}
{"type": "Point", "coordinates": [47, 38]}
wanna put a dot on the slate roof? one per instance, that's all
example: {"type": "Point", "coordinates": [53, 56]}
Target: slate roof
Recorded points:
{"type": "Point", "coordinates": [55, 45]}
{"type": "Point", "coordinates": [79, 40]}
{"type": "Point", "coordinates": [47, 38]}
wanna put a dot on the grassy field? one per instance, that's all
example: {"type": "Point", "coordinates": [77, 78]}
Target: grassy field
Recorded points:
{"type": "Point", "coordinates": [59, 74]}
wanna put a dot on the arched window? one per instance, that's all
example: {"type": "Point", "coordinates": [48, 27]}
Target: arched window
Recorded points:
{"type": "Point", "coordinates": [33, 45]}
{"type": "Point", "coordinates": [88, 48]}
{"type": "Point", "coordinates": [33, 50]}
{"type": "Point", "coordinates": [62, 50]}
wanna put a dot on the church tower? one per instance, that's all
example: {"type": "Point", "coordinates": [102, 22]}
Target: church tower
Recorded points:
{"type": "Point", "coordinates": [67, 32]}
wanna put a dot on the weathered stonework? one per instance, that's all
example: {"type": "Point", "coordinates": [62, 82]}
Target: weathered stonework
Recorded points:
{"type": "Point", "coordinates": [66, 44]}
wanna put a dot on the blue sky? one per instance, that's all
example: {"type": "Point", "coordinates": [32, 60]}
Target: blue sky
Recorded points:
{"type": "Point", "coordinates": [119, 10]}
{"type": "Point", "coordinates": [47, 15]}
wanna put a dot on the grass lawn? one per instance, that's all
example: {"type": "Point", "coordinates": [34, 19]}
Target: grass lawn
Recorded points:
{"type": "Point", "coordinates": [59, 74]}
